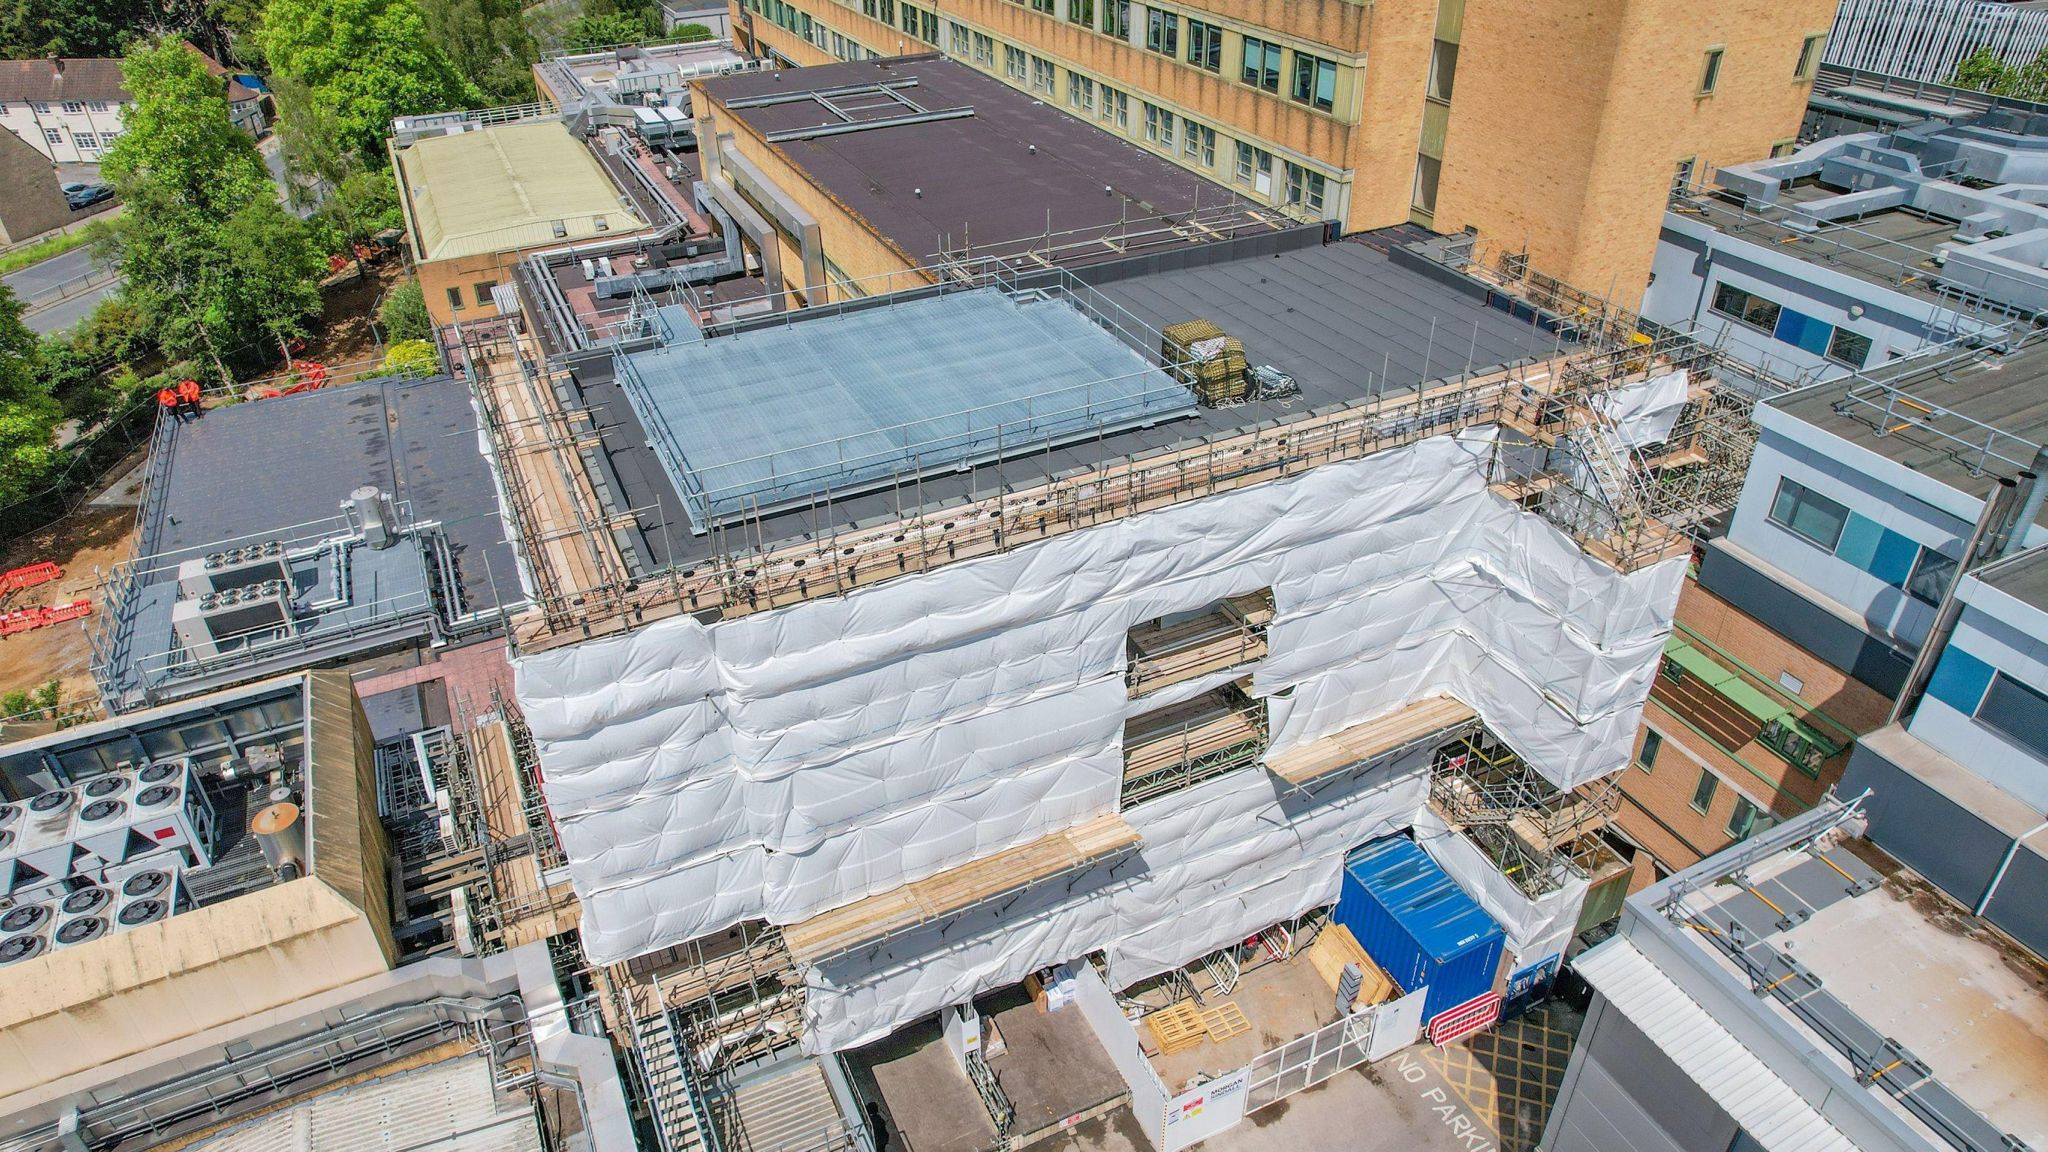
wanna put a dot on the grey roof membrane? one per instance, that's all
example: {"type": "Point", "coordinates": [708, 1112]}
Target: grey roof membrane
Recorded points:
{"type": "Point", "coordinates": [841, 403]}
{"type": "Point", "coordinates": [1342, 318]}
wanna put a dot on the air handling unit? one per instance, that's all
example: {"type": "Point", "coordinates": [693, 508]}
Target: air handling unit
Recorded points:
{"type": "Point", "coordinates": [232, 568]}
{"type": "Point", "coordinates": [205, 626]}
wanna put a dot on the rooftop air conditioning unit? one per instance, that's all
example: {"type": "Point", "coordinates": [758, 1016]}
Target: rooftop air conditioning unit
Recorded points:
{"type": "Point", "coordinates": [104, 816]}
{"type": "Point", "coordinates": [149, 896]}
{"type": "Point", "coordinates": [21, 947]}
{"type": "Point", "coordinates": [46, 849]}
{"type": "Point", "coordinates": [10, 835]}
{"type": "Point", "coordinates": [83, 915]}
{"type": "Point", "coordinates": [233, 568]}
{"type": "Point", "coordinates": [205, 626]}
{"type": "Point", "coordinates": [171, 810]}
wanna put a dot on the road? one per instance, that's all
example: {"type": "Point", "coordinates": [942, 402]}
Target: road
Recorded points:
{"type": "Point", "coordinates": [37, 279]}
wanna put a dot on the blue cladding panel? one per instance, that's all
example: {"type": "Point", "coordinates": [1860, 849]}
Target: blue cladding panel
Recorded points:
{"type": "Point", "coordinates": [1893, 562]}
{"type": "Point", "coordinates": [1804, 332]}
{"type": "Point", "coordinates": [1417, 924]}
{"type": "Point", "coordinates": [1959, 680]}
{"type": "Point", "coordinates": [1860, 538]}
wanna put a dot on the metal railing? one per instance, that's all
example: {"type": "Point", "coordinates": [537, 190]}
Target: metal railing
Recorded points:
{"type": "Point", "coordinates": [1891, 410]}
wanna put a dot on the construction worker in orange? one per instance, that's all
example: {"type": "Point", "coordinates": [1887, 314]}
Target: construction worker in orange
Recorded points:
{"type": "Point", "coordinates": [167, 399]}
{"type": "Point", "coordinates": [188, 398]}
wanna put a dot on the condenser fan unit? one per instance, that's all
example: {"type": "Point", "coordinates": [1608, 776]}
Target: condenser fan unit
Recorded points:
{"type": "Point", "coordinates": [159, 771]}
{"type": "Point", "coordinates": [9, 813]}
{"type": "Point", "coordinates": [145, 883]}
{"type": "Point", "coordinates": [24, 918]}
{"type": "Point", "coordinates": [155, 796]}
{"type": "Point", "coordinates": [6, 839]}
{"type": "Point", "coordinates": [44, 803]}
{"type": "Point", "coordinates": [82, 929]}
{"type": "Point", "coordinates": [15, 949]}
{"type": "Point", "coordinates": [101, 811]}
{"type": "Point", "coordinates": [85, 901]}
{"type": "Point", "coordinates": [100, 786]}
{"type": "Point", "coordinates": [145, 911]}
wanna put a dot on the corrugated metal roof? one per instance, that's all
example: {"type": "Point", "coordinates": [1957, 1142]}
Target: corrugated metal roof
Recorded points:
{"type": "Point", "coordinates": [449, 1107]}
{"type": "Point", "coordinates": [1735, 1078]}
{"type": "Point", "coordinates": [505, 188]}
{"type": "Point", "coordinates": [1421, 896]}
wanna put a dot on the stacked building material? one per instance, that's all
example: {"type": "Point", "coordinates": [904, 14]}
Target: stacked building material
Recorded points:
{"type": "Point", "coordinates": [1212, 362]}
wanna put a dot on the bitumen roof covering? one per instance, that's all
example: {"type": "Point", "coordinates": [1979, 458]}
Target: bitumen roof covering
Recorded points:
{"type": "Point", "coordinates": [260, 468]}
{"type": "Point", "coordinates": [1344, 319]}
{"type": "Point", "coordinates": [1012, 171]}
{"type": "Point", "coordinates": [505, 187]}
{"type": "Point", "coordinates": [2024, 577]}
{"type": "Point", "coordinates": [1964, 392]}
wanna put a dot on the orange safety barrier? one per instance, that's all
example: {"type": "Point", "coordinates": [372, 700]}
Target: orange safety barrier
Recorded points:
{"type": "Point", "coordinates": [29, 619]}
{"type": "Point", "coordinates": [27, 576]}
{"type": "Point", "coordinates": [311, 375]}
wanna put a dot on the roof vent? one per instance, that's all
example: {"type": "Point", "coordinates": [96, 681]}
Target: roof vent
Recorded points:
{"type": "Point", "coordinates": [561, 229]}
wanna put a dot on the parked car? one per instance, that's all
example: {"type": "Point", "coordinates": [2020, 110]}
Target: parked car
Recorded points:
{"type": "Point", "coordinates": [86, 195]}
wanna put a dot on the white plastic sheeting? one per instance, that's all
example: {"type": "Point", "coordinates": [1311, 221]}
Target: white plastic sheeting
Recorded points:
{"type": "Point", "coordinates": [784, 763]}
{"type": "Point", "coordinates": [1645, 413]}
{"type": "Point", "coordinates": [1535, 928]}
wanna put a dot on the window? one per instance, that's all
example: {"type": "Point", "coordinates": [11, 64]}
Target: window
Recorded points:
{"type": "Point", "coordinates": [1116, 107]}
{"type": "Point", "coordinates": [455, 299]}
{"type": "Point", "coordinates": [910, 19]}
{"type": "Point", "coordinates": [39, 108]}
{"type": "Point", "coordinates": [86, 140]}
{"type": "Point", "coordinates": [1043, 74]}
{"type": "Point", "coordinates": [1198, 143]}
{"type": "Point", "coordinates": [1754, 311]}
{"type": "Point", "coordinates": [1809, 55]}
{"type": "Point", "coordinates": [1205, 45]}
{"type": "Point", "coordinates": [1162, 32]}
{"type": "Point", "coordinates": [1261, 64]}
{"type": "Point", "coordinates": [1304, 188]}
{"type": "Point", "coordinates": [1710, 72]}
{"type": "Point", "coordinates": [53, 135]}
{"type": "Point", "coordinates": [1013, 63]}
{"type": "Point", "coordinates": [2016, 712]}
{"type": "Point", "coordinates": [1315, 81]}
{"type": "Point", "coordinates": [1681, 174]}
{"type": "Point", "coordinates": [1116, 18]}
{"type": "Point", "coordinates": [1703, 792]}
{"type": "Point", "coordinates": [1158, 126]}
{"type": "Point", "coordinates": [958, 37]}
{"type": "Point", "coordinates": [984, 50]}
{"type": "Point", "coordinates": [1742, 821]}
{"type": "Point", "coordinates": [1653, 743]}
{"type": "Point", "coordinates": [1846, 347]}
{"type": "Point", "coordinates": [74, 105]}
{"type": "Point", "coordinates": [1044, 6]}
{"type": "Point", "coordinates": [1255, 167]}
{"type": "Point", "coordinates": [97, 105]}
{"type": "Point", "coordinates": [1427, 169]}
{"type": "Point", "coordinates": [1443, 71]}
{"type": "Point", "coordinates": [1081, 12]}
{"type": "Point", "coordinates": [482, 291]}
{"type": "Point", "coordinates": [1932, 572]}
{"type": "Point", "coordinates": [928, 27]}
{"type": "Point", "coordinates": [1080, 93]}
{"type": "Point", "coordinates": [1806, 513]}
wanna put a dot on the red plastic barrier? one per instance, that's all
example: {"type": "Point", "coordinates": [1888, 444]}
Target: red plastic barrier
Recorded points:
{"type": "Point", "coordinates": [28, 576]}
{"type": "Point", "coordinates": [29, 619]}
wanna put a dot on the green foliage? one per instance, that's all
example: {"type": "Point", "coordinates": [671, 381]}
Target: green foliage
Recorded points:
{"type": "Point", "coordinates": [35, 703]}
{"type": "Point", "coordinates": [116, 333]}
{"type": "Point", "coordinates": [362, 63]}
{"type": "Point", "coordinates": [28, 413]}
{"type": "Point", "coordinates": [214, 264]}
{"type": "Point", "coordinates": [41, 250]}
{"type": "Point", "coordinates": [605, 30]}
{"type": "Point", "coordinates": [30, 28]}
{"type": "Point", "coordinates": [691, 33]}
{"type": "Point", "coordinates": [405, 313]}
{"type": "Point", "coordinates": [1985, 72]}
{"type": "Point", "coordinates": [410, 358]}
{"type": "Point", "coordinates": [489, 42]}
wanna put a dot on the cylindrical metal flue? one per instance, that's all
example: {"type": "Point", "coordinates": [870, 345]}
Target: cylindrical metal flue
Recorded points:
{"type": "Point", "coordinates": [280, 831]}
{"type": "Point", "coordinates": [2030, 503]}
{"type": "Point", "coordinates": [372, 510]}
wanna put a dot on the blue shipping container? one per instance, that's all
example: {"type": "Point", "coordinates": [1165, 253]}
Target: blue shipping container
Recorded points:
{"type": "Point", "coordinates": [1418, 925]}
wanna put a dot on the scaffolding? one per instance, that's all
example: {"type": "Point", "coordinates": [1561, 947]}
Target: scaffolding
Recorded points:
{"type": "Point", "coordinates": [1534, 833]}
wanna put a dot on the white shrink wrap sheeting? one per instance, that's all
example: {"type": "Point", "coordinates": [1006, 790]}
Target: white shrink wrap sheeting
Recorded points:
{"type": "Point", "coordinates": [1645, 413]}
{"type": "Point", "coordinates": [780, 764]}
{"type": "Point", "coordinates": [1535, 928]}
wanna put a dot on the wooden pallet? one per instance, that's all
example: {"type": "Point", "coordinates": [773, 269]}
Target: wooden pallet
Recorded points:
{"type": "Point", "coordinates": [1224, 1021]}
{"type": "Point", "coordinates": [1177, 1027]}
{"type": "Point", "coordinates": [1335, 947]}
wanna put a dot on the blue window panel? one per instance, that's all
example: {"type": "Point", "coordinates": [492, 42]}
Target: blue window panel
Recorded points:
{"type": "Point", "coordinates": [1959, 680]}
{"type": "Point", "coordinates": [1860, 538]}
{"type": "Point", "coordinates": [1804, 332]}
{"type": "Point", "coordinates": [1893, 562]}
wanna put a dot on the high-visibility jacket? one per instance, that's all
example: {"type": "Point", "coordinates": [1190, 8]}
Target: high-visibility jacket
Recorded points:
{"type": "Point", "coordinates": [167, 398]}
{"type": "Point", "coordinates": [188, 391]}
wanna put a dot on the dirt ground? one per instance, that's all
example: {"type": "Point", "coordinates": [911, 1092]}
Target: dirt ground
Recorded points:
{"type": "Point", "coordinates": [86, 544]}
{"type": "Point", "coordinates": [344, 334]}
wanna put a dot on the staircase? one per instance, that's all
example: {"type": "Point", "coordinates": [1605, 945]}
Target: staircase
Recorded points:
{"type": "Point", "coordinates": [669, 1094]}
{"type": "Point", "coordinates": [785, 1107]}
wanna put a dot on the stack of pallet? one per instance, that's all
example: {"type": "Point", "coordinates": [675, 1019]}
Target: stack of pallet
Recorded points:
{"type": "Point", "coordinates": [1213, 362]}
{"type": "Point", "coordinates": [1336, 947]}
{"type": "Point", "coordinates": [1181, 1026]}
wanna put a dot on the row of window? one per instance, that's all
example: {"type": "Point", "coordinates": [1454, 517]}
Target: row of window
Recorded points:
{"type": "Point", "coordinates": [2007, 706]}
{"type": "Point", "coordinates": [1742, 821]}
{"type": "Point", "coordinates": [1921, 572]}
{"type": "Point", "coordinates": [74, 106]}
{"type": "Point", "coordinates": [86, 141]}
{"type": "Point", "coordinates": [481, 290]}
{"type": "Point", "coordinates": [1795, 328]}
{"type": "Point", "coordinates": [1809, 59]}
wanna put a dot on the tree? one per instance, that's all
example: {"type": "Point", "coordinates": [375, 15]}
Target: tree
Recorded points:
{"type": "Point", "coordinates": [405, 313]}
{"type": "Point", "coordinates": [603, 31]}
{"type": "Point", "coordinates": [692, 33]}
{"type": "Point", "coordinates": [211, 259]}
{"type": "Point", "coordinates": [28, 413]}
{"type": "Point", "coordinates": [363, 63]}
{"type": "Point", "coordinates": [411, 358]}
{"type": "Point", "coordinates": [31, 28]}
{"type": "Point", "coordinates": [1984, 71]}
{"type": "Point", "coordinates": [489, 42]}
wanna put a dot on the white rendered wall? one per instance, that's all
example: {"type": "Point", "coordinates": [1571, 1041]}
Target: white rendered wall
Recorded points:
{"type": "Point", "coordinates": [782, 764]}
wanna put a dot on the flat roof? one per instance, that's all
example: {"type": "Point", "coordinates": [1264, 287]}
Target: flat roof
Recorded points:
{"type": "Point", "coordinates": [836, 403]}
{"type": "Point", "coordinates": [1975, 397]}
{"type": "Point", "coordinates": [1853, 962]}
{"type": "Point", "coordinates": [996, 179]}
{"type": "Point", "coordinates": [1892, 247]}
{"type": "Point", "coordinates": [2023, 577]}
{"type": "Point", "coordinates": [1345, 319]}
{"type": "Point", "coordinates": [506, 187]}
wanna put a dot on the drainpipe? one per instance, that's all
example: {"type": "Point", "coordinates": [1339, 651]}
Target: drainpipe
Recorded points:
{"type": "Point", "coordinates": [1998, 877]}
{"type": "Point", "coordinates": [2030, 508]}
{"type": "Point", "coordinates": [1985, 541]}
